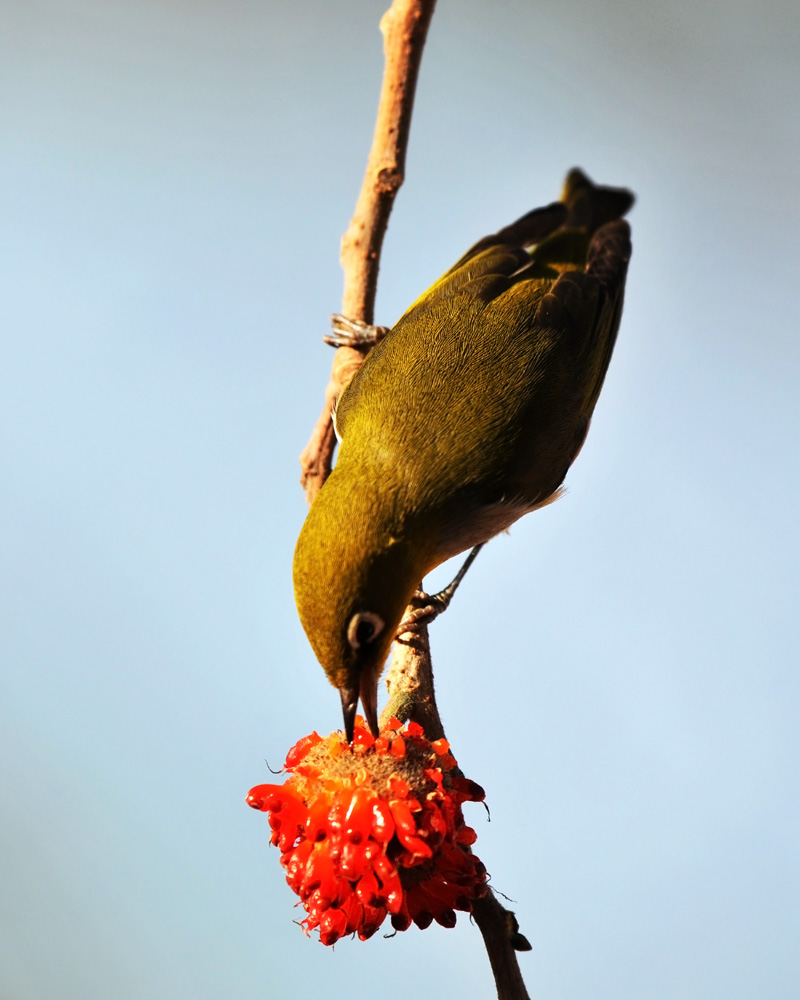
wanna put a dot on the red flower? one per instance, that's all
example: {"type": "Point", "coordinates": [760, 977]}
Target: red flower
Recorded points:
{"type": "Point", "coordinates": [374, 828]}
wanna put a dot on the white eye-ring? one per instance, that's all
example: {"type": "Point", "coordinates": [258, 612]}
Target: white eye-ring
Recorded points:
{"type": "Point", "coordinates": [364, 626]}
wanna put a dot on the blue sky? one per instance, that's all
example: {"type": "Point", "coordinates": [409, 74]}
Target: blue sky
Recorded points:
{"type": "Point", "coordinates": [620, 672]}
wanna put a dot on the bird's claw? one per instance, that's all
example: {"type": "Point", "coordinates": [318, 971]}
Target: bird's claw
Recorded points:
{"type": "Point", "coordinates": [431, 606]}
{"type": "Point", "coordinates": [353, 333]}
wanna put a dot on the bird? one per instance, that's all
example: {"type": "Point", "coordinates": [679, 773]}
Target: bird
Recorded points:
{"type": "Point", "coordinates": [465, 416]}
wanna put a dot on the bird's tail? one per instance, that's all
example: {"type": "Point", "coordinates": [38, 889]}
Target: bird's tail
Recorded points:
{"type": "Point", "coordinates": [583, 205]}
{"type": "Point", "coordinates": [590, 206]}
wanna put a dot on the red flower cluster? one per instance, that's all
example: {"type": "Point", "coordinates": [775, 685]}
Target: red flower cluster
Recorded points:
{"type": "Point", "coordinates": [374, 828]}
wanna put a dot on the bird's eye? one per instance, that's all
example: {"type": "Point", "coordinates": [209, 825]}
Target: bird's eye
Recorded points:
{"type": "Point", "coordinates": [363, 628]}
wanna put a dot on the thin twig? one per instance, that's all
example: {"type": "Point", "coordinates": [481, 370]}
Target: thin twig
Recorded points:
{"type": "Point", "coordinates": [499, 929]}
{"type": "Point", "coordinates": [410, 683]}
{"type": "Point", "coordinates": [410, 675]}
{"type": "Point", "coordinates": [412, 698]}
{"type": "Point", "coordinates": [404, 27]}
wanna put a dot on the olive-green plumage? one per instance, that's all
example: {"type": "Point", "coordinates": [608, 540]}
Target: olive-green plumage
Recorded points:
{"type": "Point", "coordinates": [466, 416]}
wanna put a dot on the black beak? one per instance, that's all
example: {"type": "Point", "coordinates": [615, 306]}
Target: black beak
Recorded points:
{"type": "Point", "coordinates": [349, 706]}
{"type": "Point", "coordinates": [369, 700]}
{"type": "Point", "coordinates": [368, 692]}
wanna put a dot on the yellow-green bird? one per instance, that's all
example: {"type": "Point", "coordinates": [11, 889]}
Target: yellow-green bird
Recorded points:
{"type": "Point", "coordinates": [464, 417]}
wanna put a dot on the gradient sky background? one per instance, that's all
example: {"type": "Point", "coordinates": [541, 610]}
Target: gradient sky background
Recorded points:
{"type": "Point", "coordinates": [620, 673]}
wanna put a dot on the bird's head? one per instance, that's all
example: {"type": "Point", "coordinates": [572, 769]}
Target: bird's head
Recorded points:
{"type": "Point", "coordinates": [353, 578]}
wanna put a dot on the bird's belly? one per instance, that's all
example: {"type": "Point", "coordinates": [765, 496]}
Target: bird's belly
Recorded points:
{"type": "Point", "coordinates": [472, 525]}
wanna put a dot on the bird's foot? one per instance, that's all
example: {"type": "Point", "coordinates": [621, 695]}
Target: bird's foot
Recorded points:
{"type": "Point", "coordinates": [353, 333]}
{"type": "Point", "coordinates": [428, 607]}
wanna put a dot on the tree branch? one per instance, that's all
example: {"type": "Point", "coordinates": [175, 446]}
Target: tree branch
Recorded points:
{"type": "Point", "coordinates": [502, 940]}
{"type": "Point", "coordinates": [404, 27]}
{"type": "Point", "coordinates": [412, 698]}
{"type": "Point", "coordinates": [410, 683]}
{"type": "Point", "coordinates": [410, 674]}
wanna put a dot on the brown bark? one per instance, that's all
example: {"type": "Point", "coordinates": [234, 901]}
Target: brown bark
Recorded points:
{"type": "Point", "coordinates": [404, 27]}
{"type": "Point", "coordinates": [410, 675]}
